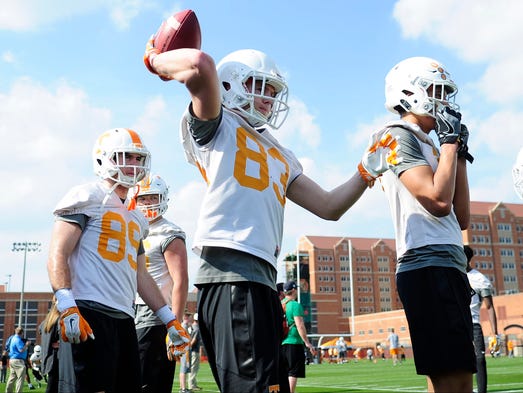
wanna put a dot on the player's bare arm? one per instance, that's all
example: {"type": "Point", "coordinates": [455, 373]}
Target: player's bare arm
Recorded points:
{"type": "Point", "coordinates": [176, 258]}
{"type": "Point", "coordinates": [329, 205]}
{"type": "Point", "coordinates": [434, 190]}
{"type": "Point", "coordinates": [462, 195]}
{"type": "Point", "coordinates": [64, 238]}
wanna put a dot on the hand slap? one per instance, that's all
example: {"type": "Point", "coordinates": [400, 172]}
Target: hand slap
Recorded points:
{"type": "Point", "coordinates": [381, 154]}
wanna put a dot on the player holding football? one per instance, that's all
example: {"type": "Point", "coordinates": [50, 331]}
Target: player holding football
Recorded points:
{"type": "Point", "coordinates": [166, 258]}
{"type": "Point", "coordinates": [428, 195]}
{"type": "Point", "coordinates": [97, 264]}
{"type": "Point", "coordinates": [249, 176]}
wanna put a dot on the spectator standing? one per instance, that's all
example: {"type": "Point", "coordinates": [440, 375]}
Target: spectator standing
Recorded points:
{"type": "Point", "coordinates": [195, 352]}
{"type": "Point", "coordinates": [393, 340]}
{"type": "Point", "coordinates": [57, 356]}
{"type": "Point", "coordinates": [17, 361]}
{"type": "Point", "coordinates": [3, 366]}
{"type": "Point", "coordinates": [292, 347]}
{"type": "Point", "coordinates": [341, 347]}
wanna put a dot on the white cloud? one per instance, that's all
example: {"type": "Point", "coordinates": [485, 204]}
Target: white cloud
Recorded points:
{"type": "Point", "coordinates": [477, 31]}
{"type": "Point", "coordinates": [300, 127]}
{"type": "Point", "coordinates": [31, 15]}
{"type": "Point", "coordinates": [8, 57]}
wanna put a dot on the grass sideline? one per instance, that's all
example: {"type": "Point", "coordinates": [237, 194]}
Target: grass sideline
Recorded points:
{"type": "Point", "coordinates": [504, 374]}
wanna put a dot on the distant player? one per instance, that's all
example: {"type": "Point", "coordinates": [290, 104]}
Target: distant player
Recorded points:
{"type": "Point", "coordinates": [166, 261]}
{"type": "Point", "coordinates": [249, 176]}
{"type": "Point", "coordinates": [97, 264]}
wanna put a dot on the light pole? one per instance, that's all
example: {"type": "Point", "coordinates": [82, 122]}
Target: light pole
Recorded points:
{"type": "Point", "coordinates": [25, 247]}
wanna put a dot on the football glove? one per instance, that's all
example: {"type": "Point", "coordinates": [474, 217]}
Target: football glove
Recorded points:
{"type": "Point", "coordinates": [179, 338]}
{"type": "Point", "coordinates": [380, 155]}
{"type": "Point", "coordinates": [73, 327]}
{"type": "Point", "coordinates": [448, 125]}
{"type": "Point", "coordinates": [150, 53]}
{"type": "Point", "coordinates": [463, 149]}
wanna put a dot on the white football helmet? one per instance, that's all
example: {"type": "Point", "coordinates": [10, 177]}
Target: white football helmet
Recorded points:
{"type": "Point", "coordinates": [154, 185]}
{"type": "Point", "coordinates": [517, 174]}
{"type": "Point", "coordinates": [407, 86]}
{"type": "Point", "coordinates": [109, 152]}
{"type": "Point", "coordinates": [233, 72]}
{"type": "Point", "coordinates": [37, 349]}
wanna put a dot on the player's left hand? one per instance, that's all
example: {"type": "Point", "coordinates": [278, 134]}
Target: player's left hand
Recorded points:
{"type": "Point", "coordinates": [448, 125]}
{"type": "Point", "coordinates": [380, 155]}
{"type": "Point", "coordinates": [179, 338]}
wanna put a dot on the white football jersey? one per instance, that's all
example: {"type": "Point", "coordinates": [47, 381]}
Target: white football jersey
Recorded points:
{"type": "Point", "coordinates": [414, 226]}
{"type": "Point", "coordinates": [483, 287]}
{"type": "Point", "coordinates": [247, 175]}
{"type": "Point", "coordinates": [161, 233]}
{"type": "Point", "coordinates": [103, 264]}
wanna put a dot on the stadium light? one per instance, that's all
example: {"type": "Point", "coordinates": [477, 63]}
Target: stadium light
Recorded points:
{"type": "Point", "coordinates": [25, 247]}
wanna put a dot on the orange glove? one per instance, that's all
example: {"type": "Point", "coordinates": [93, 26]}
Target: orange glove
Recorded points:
{"type": "Point", "coordinates": [150, 53]}
{"type": "Point", "coordinates": [380, 155]}
{"type": "Point", "coordinates": [178, 337]}
{"type": "Point", "coordinates": [73, 327]}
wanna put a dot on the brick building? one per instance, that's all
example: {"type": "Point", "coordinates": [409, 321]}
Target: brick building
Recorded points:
{"type": "Point", "coordinates": [495, 234]}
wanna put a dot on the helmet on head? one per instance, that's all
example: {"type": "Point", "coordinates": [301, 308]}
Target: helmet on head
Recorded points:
{"type": "Point", "coordinates": [109, 154]}
{"type": "Point", "coordinates": [37, 349]}
{"type": "Point", "coordinates": [517, 174]}
{"type": "Point", "coordinates": [235, 69]}
{"type": "Point", "coordinates": [407, 86]}
{"type": "Point", "coordinates": [154, 185]}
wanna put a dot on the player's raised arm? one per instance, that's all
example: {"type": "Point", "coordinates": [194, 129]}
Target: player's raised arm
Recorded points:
{"type": "Point", "coordinates": [173, 53]}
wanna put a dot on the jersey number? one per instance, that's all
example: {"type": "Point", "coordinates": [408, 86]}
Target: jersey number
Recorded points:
{"type": "Point", "coordinates": [260, 156]}
{"type": "Point", "coordinates": [118, 236]}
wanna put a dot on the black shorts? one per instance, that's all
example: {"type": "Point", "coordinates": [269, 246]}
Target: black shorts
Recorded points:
{"type": "Point", "coordinates": [437, 306]}
{"type": "Point", "coordinates": [157, 369]}
{"type": "Point", "coordinates": [110, 362]}
{"type": "Point", "coordinates": [241, 330]}
{"type": "Point", "coordinates": [295, 355]}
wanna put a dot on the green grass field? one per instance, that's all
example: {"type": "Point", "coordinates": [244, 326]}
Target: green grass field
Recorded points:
{"type": "Point", "coordinates": [505, 375]}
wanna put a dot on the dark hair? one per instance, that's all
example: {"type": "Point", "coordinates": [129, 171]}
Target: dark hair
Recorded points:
{"type": "Point", "coordinates": [468, 252]}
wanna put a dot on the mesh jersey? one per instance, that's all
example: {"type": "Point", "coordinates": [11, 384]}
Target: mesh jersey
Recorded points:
{"type": "Point", "coordinates": [161, 233]}
{"type": "Point", "coordinates": [414, 225]}
{"type": "Point", "coordinates": [483, 287]}
{"type": "Point", "coordinates": [104, 262]}
{"type": "Point", "coordinates": [247, 174]}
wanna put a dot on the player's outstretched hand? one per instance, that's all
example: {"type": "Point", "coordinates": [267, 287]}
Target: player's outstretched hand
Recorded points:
{"type": "Point", "coordinates": [74, 328]}
{"type": "Point", "coordinates": [380, 155]}
{"type": "Point", "coordinates": [448, 125]}
{"type": "Point", "coordinates": [178, 337]}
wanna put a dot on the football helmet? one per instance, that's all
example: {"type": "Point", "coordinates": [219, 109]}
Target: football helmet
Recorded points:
{"type": "Point", "coordinates": [109, 156]}
{"type": "Point", "coordinates": [517, 174]}
{"type": "Point", "coordinates": [408, 83]}
{"type": "Point", "coordinates": [153, 185]}
{"type": "Point", "coordinates": [235, 69]}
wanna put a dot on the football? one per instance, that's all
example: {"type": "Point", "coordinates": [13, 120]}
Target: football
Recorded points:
{"type": "Point", "coordinates": [181, 30]}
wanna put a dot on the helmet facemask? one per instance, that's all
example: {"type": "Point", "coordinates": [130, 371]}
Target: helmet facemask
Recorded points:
{"type": "Point", "coordinates": [420, 85]}
{"type": "Point", "coordinates": [241, 70]}
{"type": "Point", "coordinates": [153, 185]}
{"type": "Point", "coordinates": [111, 152]}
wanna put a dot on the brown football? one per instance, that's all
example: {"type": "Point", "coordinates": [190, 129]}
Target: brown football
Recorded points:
{"type": "Point", "coordinates": [181, 30]}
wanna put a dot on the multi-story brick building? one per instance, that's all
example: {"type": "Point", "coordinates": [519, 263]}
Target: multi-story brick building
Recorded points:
{"type": "Point", "coordinates": [495, 234]}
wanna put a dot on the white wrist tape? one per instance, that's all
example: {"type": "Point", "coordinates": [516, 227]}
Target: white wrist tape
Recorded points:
{"type": "Point", "coordinates": [64, 299]}
{"type": "Point", "coordinates": [165, 314]}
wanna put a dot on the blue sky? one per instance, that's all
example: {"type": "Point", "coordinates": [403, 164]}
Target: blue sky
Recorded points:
{"type": "Point", "coordinates": [71, 70]}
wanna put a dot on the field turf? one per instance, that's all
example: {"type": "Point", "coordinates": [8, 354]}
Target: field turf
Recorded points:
{"type": "Point", "coordinates": [504, 374]}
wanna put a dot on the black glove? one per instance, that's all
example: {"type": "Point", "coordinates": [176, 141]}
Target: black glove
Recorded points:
{"type": "Point", "coordinates": [463, 149]}
{"type": "Point", "coordinates": [448, 125]}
